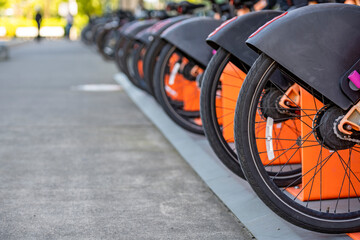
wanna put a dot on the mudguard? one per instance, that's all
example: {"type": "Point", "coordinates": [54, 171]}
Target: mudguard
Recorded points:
{"type": "Point", "coordinates": [189, 36]}
{"type": "Point", "coordinates": [318, 44]}
{"type": "Point", "coordinates": [232, 34]}
{"type": "Point", "coordinates": [133, 29]}
{"type": "Point", "coordinates": [125, 26]}
{"type": "Point", "coordinates": [146, 36]}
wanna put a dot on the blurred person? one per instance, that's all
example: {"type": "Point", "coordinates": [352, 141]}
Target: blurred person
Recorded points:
{"type": "Point", "coordinates": [38, 19]}
{"type": "Point", "coordinates": [70, 21]}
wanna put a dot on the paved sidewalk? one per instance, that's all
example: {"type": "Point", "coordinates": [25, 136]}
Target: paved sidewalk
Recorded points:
{"type": "Point", "coordinates": [89, 165]}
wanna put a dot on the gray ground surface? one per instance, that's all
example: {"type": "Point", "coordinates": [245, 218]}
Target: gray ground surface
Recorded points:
{"type": "Point", "coordinates": [89, 165]}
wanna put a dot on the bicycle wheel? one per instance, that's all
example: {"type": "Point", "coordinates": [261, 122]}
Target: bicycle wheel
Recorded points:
{"type": "Point", "coordinates": [108, 49]}
{"type": "Point", "coordinates": [272, 134]}
{"type": "Point", "coordinates": [100, 40]}
{"type": "Point", "coordinates": [220, 87]}
{"type": "Point", "coordinates": [135, 64]}
{"type": "Point", "coordinates": [151, 56]}
{"type": "Point", "coordinates": [86, 34]}
{"type": "Point", "coordinates": [96, 30]}
{"type": "Point", "coordinates": [126, 59]}
{"type": "Point", "coordinates": [176, 88]}
{"type": "Point", "coordinates": [119, 53]}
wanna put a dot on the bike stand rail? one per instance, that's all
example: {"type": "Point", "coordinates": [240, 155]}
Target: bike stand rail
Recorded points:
{"type": "Point", "coordinates": [235, 193]}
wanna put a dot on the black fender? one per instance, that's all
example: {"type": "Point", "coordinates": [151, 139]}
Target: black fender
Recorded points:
{"type": "Point", "coordinates": [131, 31]}
{"type": "Point", "coordinates": [189, 36]}
{"type": "Point", "coordinates": [146, 36]}
{"type": "Point", "coordinates": [318, 44]}
{"type": "Point", "coordinates": [232, 34]}
{"type": "Point", "coordinates": [127, 41]}
{"type": "Point", "coordinates": [123, 28]}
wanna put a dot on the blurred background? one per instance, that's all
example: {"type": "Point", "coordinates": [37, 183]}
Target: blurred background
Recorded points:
{"type": "Point", "coordinates": [17, 17]}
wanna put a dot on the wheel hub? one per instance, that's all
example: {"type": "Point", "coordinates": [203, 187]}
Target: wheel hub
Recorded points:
{"type": "Point", "coordinates": [187, 71]}
{"type": "Point", "coordinates": [270, 106]}
{"type": "Point", "coordinates": [326, 131]}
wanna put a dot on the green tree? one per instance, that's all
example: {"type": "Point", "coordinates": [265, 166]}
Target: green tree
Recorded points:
{"type": "Point", "coordinates": [3, 4]}
{"type": "Point", "coordinates": [90, 7]}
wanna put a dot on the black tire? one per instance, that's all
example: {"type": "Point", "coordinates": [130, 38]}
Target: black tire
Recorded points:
{"type": "Point", "coordinates": [135, 56]}
{"type": "Point", "coordinates": [119, 52]}
{"type": "Point", "coordinates": [329, 216]}
{"type": "Point", "coordinates": [107, 46]}
{"type": "Point", "coordinates": [86, 35]}
{"type": "Point", "coordinates": [96, 30]}
{"type": "Point", "coordinates": [150, 60]}
{"type": "Point", "coordinates": [128, 45]}
{"type": "Point", "coordinates": [176, 113]}
{"type": "Point", "coordinates": [100, 40]}
{"type": "Point", "coordinates": [138, 62]}
{"type": "Point", "coordinates": [209, 116]}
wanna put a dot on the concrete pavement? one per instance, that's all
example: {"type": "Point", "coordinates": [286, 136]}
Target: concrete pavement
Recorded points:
{"type": "Point", "coordinates": [90, 165]}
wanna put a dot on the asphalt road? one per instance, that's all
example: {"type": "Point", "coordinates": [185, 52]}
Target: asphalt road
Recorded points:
{"type": "Point", "coordinates": [89, 165]}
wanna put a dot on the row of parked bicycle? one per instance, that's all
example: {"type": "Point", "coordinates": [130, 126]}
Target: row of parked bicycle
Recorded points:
{"type": "Point", "coordinates": [277, 92]}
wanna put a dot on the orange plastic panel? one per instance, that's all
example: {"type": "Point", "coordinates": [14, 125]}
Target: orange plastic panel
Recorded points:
{"type": "Point", "coordinates": [219, 110]}
{"type": "Point", "coordinates": [140, 64]}
{"type": "Point", "coordinates": [231, 81]}
{"type": "Point", "coordinates": [191, 96]}
{"type": "Point", "coordinates": [333, 180]}
{"type": "Point", "coordinates": [176, 90]}
{"type": "Point", "coordinates": [355, 236]}
{"type": "Point", "coordinates": [290, 130]}
{"type": "Point", "coordinates": [140, 68]}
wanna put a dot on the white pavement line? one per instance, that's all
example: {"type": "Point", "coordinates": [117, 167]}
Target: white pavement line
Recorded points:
{"type": "Point", "coordinates": [234, 192]}
{"type": "Point", "coordinates": [97, 88]}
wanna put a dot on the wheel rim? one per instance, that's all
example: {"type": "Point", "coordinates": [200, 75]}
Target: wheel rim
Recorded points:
{"type": "Point", "coordinates": [224, 93]}
{"type": "Point", "coordinates": [329, 183]}
{"type": "Point", "coordinates": [181, 95]}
